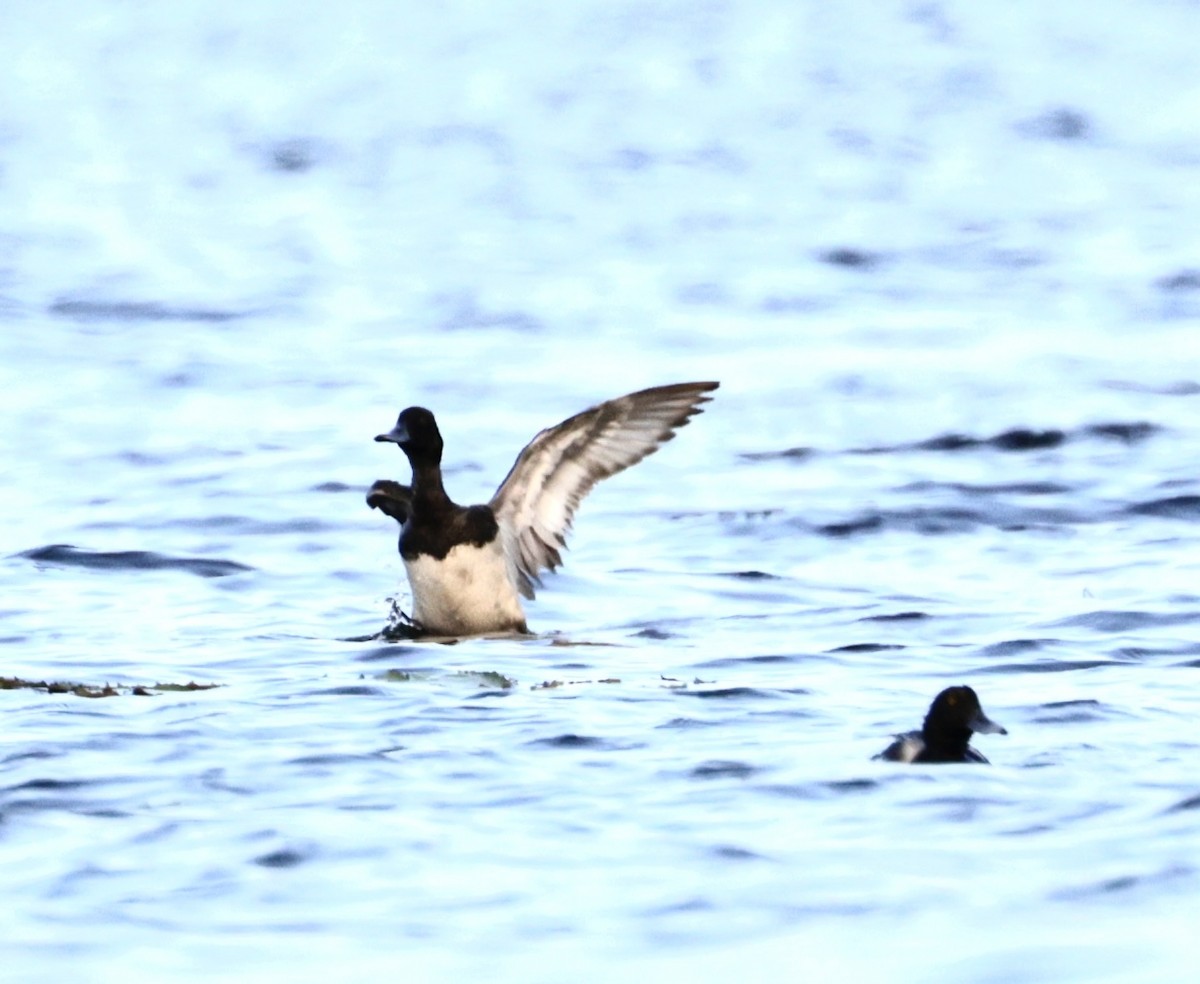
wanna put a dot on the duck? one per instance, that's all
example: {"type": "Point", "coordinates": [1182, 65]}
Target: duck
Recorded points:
{"type": "Point", "coordinates": [469, 566]}
{"type": "Point", "coordinates": [953, 717]}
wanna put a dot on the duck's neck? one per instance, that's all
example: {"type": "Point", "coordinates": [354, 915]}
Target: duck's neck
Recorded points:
{"type": "Point", "coordinates": [428, 492]}
{"type": "Point", "coordinates": [951, 745]}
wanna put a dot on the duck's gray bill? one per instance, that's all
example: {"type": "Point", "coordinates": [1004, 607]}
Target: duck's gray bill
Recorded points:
{"type": "Point", "coordinates": [397, 435]}
{"type": "Point", "coordinates": [986, 726]}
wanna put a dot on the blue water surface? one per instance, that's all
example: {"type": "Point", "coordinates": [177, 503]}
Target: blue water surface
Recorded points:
{"type": "Point", "coordinates": [944, 259]}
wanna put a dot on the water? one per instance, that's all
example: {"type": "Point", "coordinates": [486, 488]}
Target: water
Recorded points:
{"type": "Point", "coordinates": [943, 260]}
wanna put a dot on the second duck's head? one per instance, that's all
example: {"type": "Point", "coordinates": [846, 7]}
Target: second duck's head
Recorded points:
{"type": "Point", "coordinates": [956, 710]}
{"type": "Point", "coordinates": [416, 432]}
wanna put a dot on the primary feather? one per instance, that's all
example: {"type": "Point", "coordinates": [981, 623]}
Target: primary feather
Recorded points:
{"type": "Point", "coordinates": [536, 502]}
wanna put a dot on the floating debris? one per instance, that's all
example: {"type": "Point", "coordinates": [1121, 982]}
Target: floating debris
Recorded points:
{"type": "Point", "coordinates": [555, 684]}
{"type": "Point", "coordinates": [486, 678]}
{"type": "Point", "coordinates": [107, 690]}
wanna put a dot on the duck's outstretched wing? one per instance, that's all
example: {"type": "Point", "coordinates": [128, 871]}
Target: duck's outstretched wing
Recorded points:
{"type": "Point", "coordinates": [391, 498]}
{"type": "Point", "coordinates": [535, 503]}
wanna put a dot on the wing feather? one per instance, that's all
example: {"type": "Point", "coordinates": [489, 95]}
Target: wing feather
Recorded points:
{"type": "Point", "coordinates": [536, 502]}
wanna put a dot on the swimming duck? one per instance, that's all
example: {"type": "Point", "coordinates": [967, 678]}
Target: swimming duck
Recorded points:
{"type": "Point", "coordinates": [467, 565]}
{"type": "Point", "coordinates": [946, 734]}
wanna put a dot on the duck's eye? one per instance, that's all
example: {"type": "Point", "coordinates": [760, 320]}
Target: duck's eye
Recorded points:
{"type": "Point", "coordinates": [952, 699]}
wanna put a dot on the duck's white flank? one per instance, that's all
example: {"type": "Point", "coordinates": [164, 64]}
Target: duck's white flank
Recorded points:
{"type": "Point", "coordinates": [907, 748]}
{"type": "Point", "coordinates": [469, 591]}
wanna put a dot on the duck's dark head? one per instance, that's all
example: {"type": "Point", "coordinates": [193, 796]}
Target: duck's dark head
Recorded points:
{"type": "Point", "coordinates": [957, 709]}
{"type": "Point", "coordinates": [417, 434]}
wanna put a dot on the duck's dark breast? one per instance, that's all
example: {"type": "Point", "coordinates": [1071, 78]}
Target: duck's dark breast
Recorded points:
{"type": "Point", "coordinates": [436, 535]}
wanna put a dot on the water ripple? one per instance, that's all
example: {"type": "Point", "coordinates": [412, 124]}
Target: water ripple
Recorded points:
{"type": "Point", "coordinates": [63, 554]}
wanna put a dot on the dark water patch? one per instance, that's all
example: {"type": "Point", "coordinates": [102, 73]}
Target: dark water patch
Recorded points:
{"type": "Point", "coordinates": [257, 527]}
{"type": "Point", "coordinates": [1014, 259]}
{"type": "Point", "coordinates": [346, 691]}
{"type": "Point", "coordinates": [285, 857]}
{"type": "Point", "coordinates": [1047, 666]}
{"type": "Point", "coordinates": [234, 524]}
{"type": "Point", "coordinates": [142, 460]}
{"type": "Point", "coordinates": [97, 310]}
{"type": "Point", "coordinates": [866, 647]}
{"type": "Point", "coordinates": [750, 575]}
{"type": "Point", "coordinates": [1061, 123]}
{"type": "Point", "coordinates": [686, 906]}
{"type": "Point", "coordinates": [571, 740]}
{"type": "Point", "coordinates": [933, 520]}
{"type": "Point", "coordinates": [727, 693]}
{"type": "Point", "coordinates": [896, 617]}
{"type": "Point", "coordinates": [1014, 440]}
{"type": "Point", "coordinates": [728, 661]}
{"type": "Point", "coordinates": [1173, 507]}
{"type": "Point", "coordinates": [1133, 433]}
{"type": "Point", "coordinates": [1134, 654]}
{"type": "Point", "coordinates": [1010, 647]}
{"type": "Point", "coordinates": [337, 487]}
{"type": "Point", "coordinates": [1182, 387]}
{"type": "Point", "coordinates": [792, 791]}
{"type": "Point", "coordinates": [851, 785]}
{"type": "Point", "coordinates": [1125, 621]}
{"type": "Point", "coordinates": [1124, 883]}
{"type": "Point", "coordinates": [1069, 712]}
{"type": "Point", "coordinates": [654, 634]}
{"type": "Point", "coordinates": [944, 442]}
{"type": "Point", "coordinates": [864, 524]}
{"type": "Point", "coordinates": [850, 258]}
{"type": "Point", "coordinates": [722, 769]}
{"type": "Point", "coordinates": [1022, 439]}
{"type": "Point", "coordinates": [31, 754]}
{"type": "Point", "coordinates": [1017, 439]}
{"type": "Point", "coordinates": [295, 155]}
{"type": "Point", "coordinates": [1017, 488]}
{"type": "Point", "coordinates": [1181, 280]}
{"type": "Point", "coordinates": [1001, 488]}
{"type": "Point", "coordinates": [335, 759]}
{"type": "Point", "coordinates": [131, 560]}
{"type": "Point", "coordinates": [943, 520]}
{"type": "Point", "coordinates": [793, 454]}
{"type": "Point", "coordinates": [42, 795]}
{"type": "Point", "coordinates": [731, 852]}
{"type": "Point", "coordinates": [390, 651]}
{"type": "Point", "coordinates": [686, 724]}
{"type": "Point", "coordinates": [52, 785]}
{"type": "Point", "coordinates": [158, 834]}
{"type": "Point", "coordinates": [1191, 803]}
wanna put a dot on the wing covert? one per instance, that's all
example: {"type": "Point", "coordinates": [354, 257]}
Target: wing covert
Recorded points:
{"type": "Point", "coordinates": [536, 502]}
